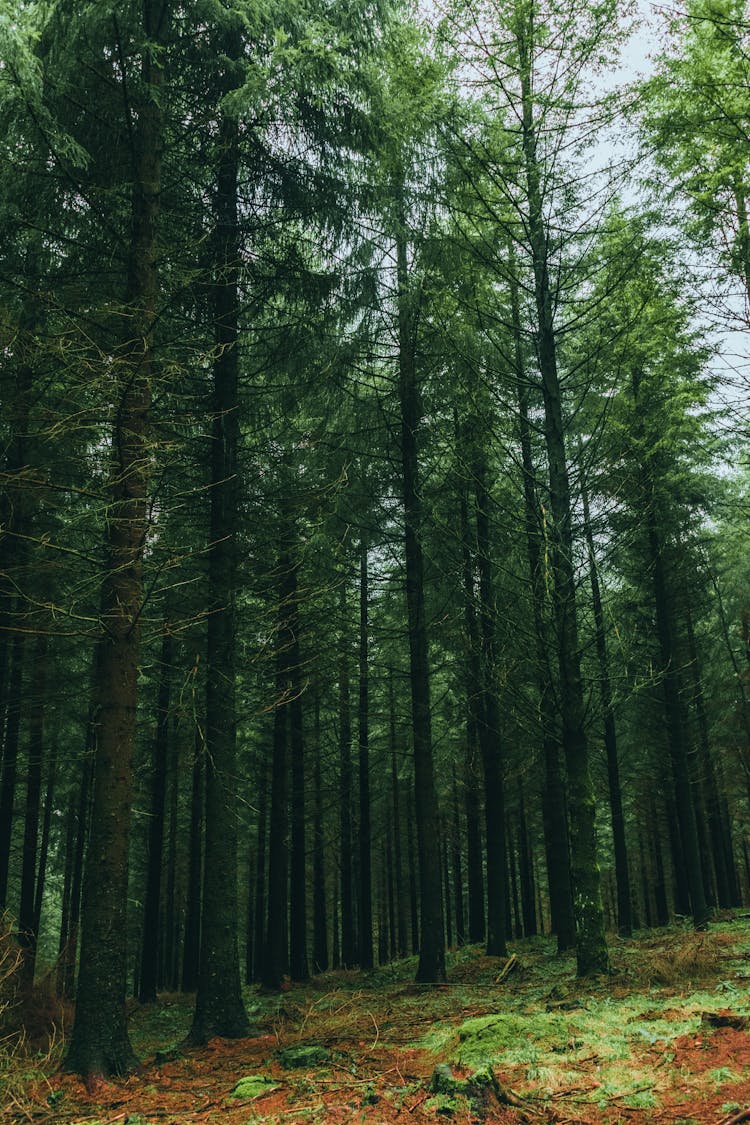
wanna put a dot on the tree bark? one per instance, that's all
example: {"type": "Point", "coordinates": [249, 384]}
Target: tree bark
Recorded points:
{"type": "Point", "coordinates": [191, 947]}
{"type": "Point", "coordinates": [219, 1009]}
{"type": "Point", "coordinates": [348, 946]}
{"type": "Point", "coordinates": [591, 946]}
{"type": "Point", "coordinates": [100, 1044]}
{"type": "Point", "coordinates": [28, 932]}
{"type": "Point", "coordinates": [431, 967]}
{"type": "Point", "coordinates": [622, 874]}
{"type": "Point", "coordinates": [365, 843]}
{"type": "Point", "coordinates": [151, 936]}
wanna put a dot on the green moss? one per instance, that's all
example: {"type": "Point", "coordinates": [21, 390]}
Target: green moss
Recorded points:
{"type": "Point", "coordinates": [254, 1086]}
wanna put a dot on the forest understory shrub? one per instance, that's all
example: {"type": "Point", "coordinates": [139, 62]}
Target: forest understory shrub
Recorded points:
{"type": "Point", "coordinates": [32, 1023]}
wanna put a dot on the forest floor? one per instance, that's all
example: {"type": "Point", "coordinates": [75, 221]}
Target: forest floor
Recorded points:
{"type": "Point", "coordinates": [664, 1039]}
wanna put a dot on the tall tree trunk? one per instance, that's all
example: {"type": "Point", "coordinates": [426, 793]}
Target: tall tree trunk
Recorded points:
{"type": "Point", "coordinates": [69, 933]}
{"type": "Point", "coordinates": [624, 913]}
{"type": "Point", "coordinates": [191, 947]}
{"type": "Point", "coordinates": [397, 843]}
{"type": "Point", "coordinates": [49, 798]}
{"type": "Point", "coordinates": [219, 1009]}
{"type": "Point", "coordinates": [27, 918]}
{"type": "Point", "coordinates": [10, 760]}
{"type": "Point", "coordinates": [298, 963]}
{"type": "Point", "coordinates": [718, 826]}
{"type": "Point", "coordinates": [276, 954]}
{"type": "Point", "coordinates": [151, 936]}
{"type": "Point", "coordinates": [100, 1044]}
{"type": "Point", "coordinates": [260, 874]}
{"type": "Point", "coordinates": [554, 804]}
{"type": "Point", "coordinates": [473, 704]}
{"type": "Point", "coordinates": [591, 946]}
{"type": "Point", "coordinates": [675, 722]}
{"type": "Point", "coordinates": [431, 967]}
{"type": "Point", "coordinates": [489, 725]}
{"type": "Point", "coordinates": [526, 869]}
{"type": "Point", "coordinates": [365, 844]}
{"type": "Point", "coordinates": [320, 915]}
{"type": "Point", "coordinates": [348, 954]}
{"type": "Point", "coordinates": [458, 882]}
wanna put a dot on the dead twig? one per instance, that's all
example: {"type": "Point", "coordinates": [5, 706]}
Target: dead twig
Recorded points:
{"type": "Point", "coordinates": [508, 967]}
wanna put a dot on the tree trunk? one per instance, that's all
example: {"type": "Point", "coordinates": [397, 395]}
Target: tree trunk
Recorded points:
{"type": "Point", "coordinates": [591, 946]}
{"type": "Point", "coordinates": [320, 915]}
{"type": "Point", "coordinates": [260, 874]}
{"type": "Point", "coordinates": [458, 882]}
{"type": "Point", "coordinates": [365, 843]}
{"type": "Point", "coordinates": [489, 726]}
{"type": "Point", "coordinates": [28, 932]}
{"type": "Point", "coordinates": [151, 936]}
{"type": "Point", "coordinates": [10, 760]}
{"type": "Point", "coordinates": [431, 966]}
{"type": "Point", "coordinates": [49, 798]}
{"type": "Point", "coordinates": [100, 1044]}
{"type": "Point", "coordinates": [219, 1009]}
{"type": "Point", "coordinates": [400, 936]}
{"type": "Point", "coordinates": [554, 804]}
{"type": "Point", "coordinates": [191, 947]}
{"type": "Point", "coordinates": [275, 958]}
{"type": "Point", "coordinates": [298, 964]}
{"type": "Point", "coordinates": [348, 954]}
{"type": "Point", "coordinates": [624, 915]}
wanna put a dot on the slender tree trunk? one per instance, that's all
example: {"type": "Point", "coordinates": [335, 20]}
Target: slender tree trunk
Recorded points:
{"type": "Point", "coordinates": [473, 704]}
{"type": "Point", "coordinates": [526, 869]}
{"type": "Point", "coordinates": [348, 954]}
{"type": "Point", "coordinates": [260, 874]}
{"type": "Point", "coordinates": [458, 882]}
{"type": "Point", "coordinates": [591, 946]}
{"type": "Point", "coordinates": [555, 823]}
{"type": "Point", "coordinates": [431, 966]}
{"type": "Point", "coordinates": [365, 843]}
{"type": "Point", "coordinates": [219, 1009]}
{"type": "Point", "coordinates": [320, 915]}
{"type": "Point", "coordinates": [68, 947]}
{"type": "Point", "coordinates": [397, 842]}
{"type": "Point", "coordinates": [624, 914]}
{"type": "Point", "coordinates": [10, 760]}
{"type": "Point", "coordinates": [100, 1044]}
{"type": "Point", "coordinates": [151, 936]}
{"type": "Point", "coordinates": [27, 916]}
{"type": "Point", "coordinates": [718, 826]}
{"type": "Point", "coordinates": [49, 798]}
{"type": "Point", "coordinates": [412, 864]}
{"type": "Point", "coordinates": [275, 959]}
{"type": "Point", "coordinates": [489, 727]}
{"type": "Point", "coordinates": [191, 948]}
{"type": "Point", "coordinates": [298, 963]}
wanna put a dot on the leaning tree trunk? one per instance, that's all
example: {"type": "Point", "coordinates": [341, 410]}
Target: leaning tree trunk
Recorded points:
{"type": "Point", "coordinates": [431, 966]}
{"type": "Point", "coordinates": [100, 1044]}
{"type": "Point", "coordinates": [591, 945]}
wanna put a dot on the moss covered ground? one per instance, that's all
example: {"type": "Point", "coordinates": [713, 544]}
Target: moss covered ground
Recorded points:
{"type": "Point", "coordinates": [663, 1038]}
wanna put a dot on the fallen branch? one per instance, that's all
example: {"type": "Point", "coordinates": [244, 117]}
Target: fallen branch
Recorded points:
{"type": "Point", "coordinates": [508, 967]}
{"type": "Point", "coordinates": [743, 1115]}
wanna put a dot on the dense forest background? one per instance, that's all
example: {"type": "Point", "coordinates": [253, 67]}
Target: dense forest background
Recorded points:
{"type": "Point", "coordinates": [375, 570]}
